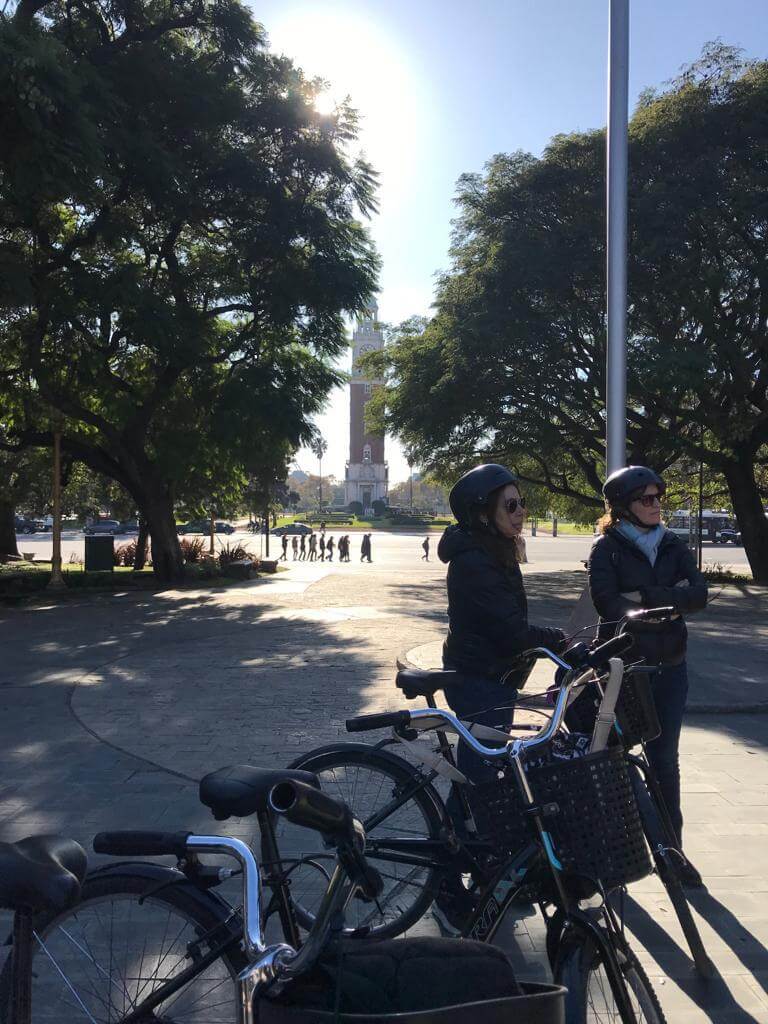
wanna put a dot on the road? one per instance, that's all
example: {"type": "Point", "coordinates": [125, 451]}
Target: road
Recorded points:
{"type": "Point", "coordinates": [393, 550]}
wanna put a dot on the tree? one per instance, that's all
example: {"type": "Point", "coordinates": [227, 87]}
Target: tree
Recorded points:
{"type": "Point", "coordinates": [178, 243]}
{"type": "Point", "coordinates": [512, 366]}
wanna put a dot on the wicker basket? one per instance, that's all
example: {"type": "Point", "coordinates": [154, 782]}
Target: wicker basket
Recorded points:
{"type": "Point", "coordinates": [596, 830]}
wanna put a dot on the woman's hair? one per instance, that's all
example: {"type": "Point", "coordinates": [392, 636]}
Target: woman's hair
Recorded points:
{"type": "Point", "coordinates": [611, 518]}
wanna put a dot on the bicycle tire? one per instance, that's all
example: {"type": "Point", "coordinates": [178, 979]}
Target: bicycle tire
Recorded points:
{"type": "Point", "coordinates": [657, 833]}
{"type": "Point", "coordinates": [591, 991]}
{"type": "Point", "coordinates": [78, 941]}
{"type": "Point", "coordinates": [407, 895]}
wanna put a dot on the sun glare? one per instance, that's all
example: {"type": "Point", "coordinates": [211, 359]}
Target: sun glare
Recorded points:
{"type": "Point", "coordinates": [357, 59]}
{"type": "Point", "coordinates": [325, 102]}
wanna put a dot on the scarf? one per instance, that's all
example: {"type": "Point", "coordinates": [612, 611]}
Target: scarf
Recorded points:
{"type": "Point", "coordinates": [647, 540]}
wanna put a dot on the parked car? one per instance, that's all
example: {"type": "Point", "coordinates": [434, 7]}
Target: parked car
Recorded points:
{"type": "Point", "coordinates": [24, 525]}
{"type": "Point", "coordinates": [204, 526]}
{"type": "Point", "coordinates": [299, 528]}
{"type": "Point", "coordinates": [44, 523]}
{"type": "Point", "coordinates": [729, 536]}
{"type": "Point", "coordinates": [110, 526]}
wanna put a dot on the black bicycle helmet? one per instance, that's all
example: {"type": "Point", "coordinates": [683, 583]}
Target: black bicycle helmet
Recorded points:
{"type": "Point", "coordinates": [470, 493]}
{"type": "Point", "coordinates": [623, 485]}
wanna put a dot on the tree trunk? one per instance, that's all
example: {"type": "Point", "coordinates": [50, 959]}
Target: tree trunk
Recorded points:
{"type": "Point", "coordinates": [167, 560]}
{"type": "Point", "coordinates": [740, 476]}
{"type": "Point", "coordinates": [8, 544]}
{"type": "Point", "coordinates": [140, 558]}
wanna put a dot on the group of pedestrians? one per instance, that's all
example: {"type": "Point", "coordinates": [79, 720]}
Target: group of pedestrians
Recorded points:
{"type": "Point", "coordinates": [316, 547]}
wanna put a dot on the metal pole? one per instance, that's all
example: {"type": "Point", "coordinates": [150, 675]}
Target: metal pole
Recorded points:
{"type": "Point", "coordinates": [320, 492]}
{"type": "Point", "coordinates": [701, 501]}
{"type": "Point", "coordinates": [616, 256]}
{"type": "Point", "coordinates": [57, 580]}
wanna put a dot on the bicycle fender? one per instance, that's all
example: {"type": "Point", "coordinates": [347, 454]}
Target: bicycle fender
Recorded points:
{"type": "Point", "coordinates": [161, 874]}
{"type": "Point", "coordinates": [377, 752]}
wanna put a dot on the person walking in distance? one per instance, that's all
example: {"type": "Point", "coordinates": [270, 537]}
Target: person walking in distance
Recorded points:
{"type": "Point", "coordinates": [295, 547]}
{"type": "Point", "coordinates": [329, 548]}
{"type": "Point", "coordinates": [312, 547]}
{"type": "Point", "coordinates": [303, 548]}
{"type": "Point", "coordinates": [638, 563]}
{"type": "Point", "coordinates": [322, 547]}
{"type": "Point", "coordinates": [365, 548]}
{"type": "Point", "coordinates": [425, 545]}
{"type": "Point", "coordinates": [342, 548]}
{"type": "Point", "coordinates": [284, 541]}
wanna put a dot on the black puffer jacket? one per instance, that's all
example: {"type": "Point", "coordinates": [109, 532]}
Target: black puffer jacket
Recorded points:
{"type": "Point", "coordinates": [487, 609]}
{"type": "Point", "coordinates": [617, 566]}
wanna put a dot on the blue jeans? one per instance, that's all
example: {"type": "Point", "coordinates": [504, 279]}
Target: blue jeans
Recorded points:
{"type": "Point", "coordinates": [489, 703]}
{"type": "Point", "coordinates": [670, 688]}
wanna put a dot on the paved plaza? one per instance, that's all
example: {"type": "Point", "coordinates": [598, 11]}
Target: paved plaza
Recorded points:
{"type": "Point", "coordinates": [112, 706]}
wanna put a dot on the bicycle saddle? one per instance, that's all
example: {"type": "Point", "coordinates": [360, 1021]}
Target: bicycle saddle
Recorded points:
{"type": "Point", "coordinates": [41, 873]}
{"type": "Point", "coordinates": [241, 789]}
{"type": "Point", "coordinates": [416, 682]}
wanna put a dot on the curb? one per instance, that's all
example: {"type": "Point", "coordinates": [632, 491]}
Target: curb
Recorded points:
{"type": "Point", "coordinates": [760, 708]}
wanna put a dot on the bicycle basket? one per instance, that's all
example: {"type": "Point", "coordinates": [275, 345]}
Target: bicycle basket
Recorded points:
{"type": "Point", "coordinates": [597, 832]}
{"type": "Point", "coordinates": [635, 711]}
{"type": "Point", "coordinates": [497, 806]}
{"type": "Point", "coordinates": [416, 981]}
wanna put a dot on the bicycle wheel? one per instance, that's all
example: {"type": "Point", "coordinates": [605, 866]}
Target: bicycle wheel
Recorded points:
{"type": "Point", "coordinates": [99, 960]}
{"type": "Point", "coordinates": [657, 832]}
{"type": "Point", "coordinates": [592, 998]}
{"type": "Point", "coordinates": [376, 786]}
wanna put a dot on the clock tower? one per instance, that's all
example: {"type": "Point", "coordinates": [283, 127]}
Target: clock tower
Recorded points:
{"type": "Point", "coordinates": [366, 471]}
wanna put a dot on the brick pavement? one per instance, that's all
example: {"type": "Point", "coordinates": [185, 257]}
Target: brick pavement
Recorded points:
{"type": "Point", "coordinates": [112, 707]}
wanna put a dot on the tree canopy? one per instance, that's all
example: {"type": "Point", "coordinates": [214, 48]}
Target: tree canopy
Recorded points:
{"type": "Point", "coordinates": [179, 243]}
{"type": "Point", "coordinates": [512, 365]}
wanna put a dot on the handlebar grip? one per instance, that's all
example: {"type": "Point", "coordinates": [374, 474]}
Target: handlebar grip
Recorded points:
{"type": "Point", "coordinates": [367, 722]}
{"type": "Point", "coordinates": [644, 614]}
{"type": "Point", "coordinates": [141, 844]}
{"type": "Point", "coordinates": [612, 648]}
{"type": "Point", "coordinates": [311, 808]}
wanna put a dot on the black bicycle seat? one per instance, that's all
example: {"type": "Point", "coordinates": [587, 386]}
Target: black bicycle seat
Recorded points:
{"type": "Point", "coordinates": [416, 682]}
{"type": "Point", "coordinates": [41, 873]}
{"type": "Point", "coordinates": [241, 789]}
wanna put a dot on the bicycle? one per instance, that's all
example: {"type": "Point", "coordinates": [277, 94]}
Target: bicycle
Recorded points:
{"type": "Point", "coordinates": [514, 859]}
{"type": "Point", "coordinates": [40, 874]}
{"type": "Point", "coordinates": [277, 983]}
{"type": "Point", "coordinates": [637, 724]}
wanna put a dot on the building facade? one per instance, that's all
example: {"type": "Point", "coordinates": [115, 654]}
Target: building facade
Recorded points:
{"type": "Point", "coordinates": [367, 473]}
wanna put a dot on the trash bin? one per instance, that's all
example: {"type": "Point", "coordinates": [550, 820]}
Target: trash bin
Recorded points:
{"type": "Point", "coordinates": [100, 553]}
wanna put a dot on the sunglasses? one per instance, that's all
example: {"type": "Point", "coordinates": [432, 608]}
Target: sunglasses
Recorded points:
{"type": "Point", "coordinates": [511, 504]}
{"type": "Point", "coordinates": [647, 500]}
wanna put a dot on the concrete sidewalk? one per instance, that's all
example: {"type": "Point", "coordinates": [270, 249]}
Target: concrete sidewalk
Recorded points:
{"type": "Point", "coordinates": [112, 707]}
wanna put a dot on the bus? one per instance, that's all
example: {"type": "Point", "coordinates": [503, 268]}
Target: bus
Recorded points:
{"type": "Point", "coordinates": [713, 523]}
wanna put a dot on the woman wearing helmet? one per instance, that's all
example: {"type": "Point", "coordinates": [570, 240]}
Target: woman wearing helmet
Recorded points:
{"type": "Point", "coordinates": [487, 606]}
{"type": "Point", "coordinates": [638, 563]}
{"type": "Point", "coordinates": [488, 622]}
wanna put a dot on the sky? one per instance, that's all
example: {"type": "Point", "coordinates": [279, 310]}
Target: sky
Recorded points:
{"type": "Point", "coordinates": [443, 85]}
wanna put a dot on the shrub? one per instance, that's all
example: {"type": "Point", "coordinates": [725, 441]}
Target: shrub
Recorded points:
{"type": "Point", "coordinates": [125, 554]}
{"type": "Point", "coordinates": [379, 507]}
{"type": "Point", "coordinates": [234, 553]}
{"type": "Point", "coordinates": [192, 549]}
{"type": "Point", "coordinates": [356, 508]}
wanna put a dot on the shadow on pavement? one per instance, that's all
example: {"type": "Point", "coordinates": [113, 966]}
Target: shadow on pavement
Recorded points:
{"type": "Point", "coordinates": [713, 996]}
